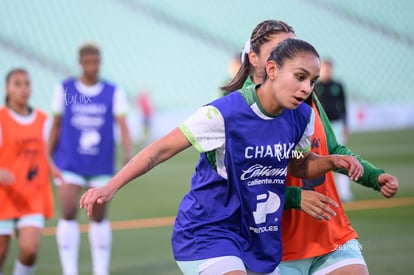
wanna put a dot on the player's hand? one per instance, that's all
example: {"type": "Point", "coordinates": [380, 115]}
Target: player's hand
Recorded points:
{"type": "Point", "coordinates": [317, 205]}
{"type": "Point", "coordinates": [6, 177]}
{"type": "Point", "coordinates": [93, 196]}
{"type": "Point", "coordinates": [350, 163]}
{"type": "Point", "coordinates": [389, 185]}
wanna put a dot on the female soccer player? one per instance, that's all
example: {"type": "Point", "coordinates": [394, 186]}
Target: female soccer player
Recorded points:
{"type": "Point", "coordinates": [229, 221]}
{"type": "Point", "coordinates": [25, 183]}
{"type": "Point", "coordinates": [82, 143]}
{"type": "Point", "coordinates": [311, 246]}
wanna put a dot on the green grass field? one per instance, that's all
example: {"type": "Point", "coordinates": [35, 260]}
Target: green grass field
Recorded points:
{"type": "Point", "coordinates": [387, 235]}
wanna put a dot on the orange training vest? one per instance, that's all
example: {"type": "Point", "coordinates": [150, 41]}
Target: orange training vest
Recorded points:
{"type": "Point", "coordinates": [23, 153]}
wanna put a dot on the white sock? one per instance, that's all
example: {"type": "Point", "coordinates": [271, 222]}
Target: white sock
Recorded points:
{"type": "Point", "coordinates": [100, 239]}
{"type": "Point", "coordinates": [343, 184]}
{"type": "Point", "coordinates": [21, 269]}
{"type": "Point", "coordinates": [68, 238]}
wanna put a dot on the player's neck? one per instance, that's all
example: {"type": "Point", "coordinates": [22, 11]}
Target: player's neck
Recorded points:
{"type": "Point", "coordinates": [22, 110]}
{"type": "Point", "coordinates": [88, 81]}
{"type": "Point", "coordinates": [257, 79]}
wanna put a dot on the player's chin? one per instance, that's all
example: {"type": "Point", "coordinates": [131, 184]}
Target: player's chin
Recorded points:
{"type": "Point", "coordinates": [293, 105]}
{"type": "Point", "coordinates": [295, 102]}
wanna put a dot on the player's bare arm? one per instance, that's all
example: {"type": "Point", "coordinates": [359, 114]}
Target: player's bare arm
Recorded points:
{"type": "Point", "coordinates": [144, 161]}
{"type": "Point", "coordinates": [313, 165]}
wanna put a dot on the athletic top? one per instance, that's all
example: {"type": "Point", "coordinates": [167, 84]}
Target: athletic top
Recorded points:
{"type": "Point", "coordinates": [23, 152]}
{"type": "Point", "coordinates": [234, 207]}
{"type": "Point", "coordinates": [86, 145]}
{"type": "Point", "coordinates": [303, 235]}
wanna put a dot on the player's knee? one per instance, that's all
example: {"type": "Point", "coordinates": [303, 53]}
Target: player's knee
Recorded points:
{"type": "Point", "coordinates": [28, 253]}
{"type": "Point", "coordinates": [99, 214]}
{"type": "Point", "coordinates": [69, 212]}
{"type": "Point", "coordinates": [98, 218]}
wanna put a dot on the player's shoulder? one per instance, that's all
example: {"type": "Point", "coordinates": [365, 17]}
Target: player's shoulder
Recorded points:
{"type": "Point", "coordinates": [109, 83]}
{"type": "Point", "coordinates": [40, 112]}
{"type": "Point", "coordinates": [68, 80]}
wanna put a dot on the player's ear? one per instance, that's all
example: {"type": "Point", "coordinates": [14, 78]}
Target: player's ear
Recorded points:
{"type": "Point", "coordinates": [271, 69]}
{"type": "Point", "coordinates": [253, 58]}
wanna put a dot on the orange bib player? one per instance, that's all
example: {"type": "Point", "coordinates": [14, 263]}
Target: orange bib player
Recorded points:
{"type": "Point", "coordinates": [25, 183]}
{"type": "Point", "coordinates": [23, 153]}
{"type": "Point", "coordinates": [313, 246]}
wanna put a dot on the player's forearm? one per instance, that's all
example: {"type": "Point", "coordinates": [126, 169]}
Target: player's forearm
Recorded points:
{"type": "Point", "coordinates": [311, 166]}
{"type": "Point", "coordinates": [371, 173]}
{"type": "Point", "coordinates": [151, 156]}
{"type": "Point", "coordinates": [143, 162]}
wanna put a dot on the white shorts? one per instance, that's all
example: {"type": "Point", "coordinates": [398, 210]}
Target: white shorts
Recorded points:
{"type": "Point", "coordinates": [218, 265]}
{"type": "Point", "coordinates": [346, 254]}
{"type": "Point", "coordinates": [8, 227]}
{"type": "Point", "coordinates": [84, 181]}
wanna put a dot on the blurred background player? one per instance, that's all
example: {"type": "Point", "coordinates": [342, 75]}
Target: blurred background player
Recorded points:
{"type": "Point", "coordinates": [331, 95]}
{"type": "Point", "coordinates": [83, 146]}
{"type": "Point", "coordinates": [25, 182]}
{"type": "Point", "coordinates": [146, 108]}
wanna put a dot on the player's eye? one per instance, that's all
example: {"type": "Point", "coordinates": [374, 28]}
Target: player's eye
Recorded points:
{"type": "Point", "coordinates": [313, 81]}
{"type": "Point", "coordinates": [18, 83]}
{"type": "Point", "coordinates": [300, 77]}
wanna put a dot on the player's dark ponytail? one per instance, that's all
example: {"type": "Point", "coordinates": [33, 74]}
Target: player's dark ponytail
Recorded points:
{"type": "Point", "coordinates": [259, 36]}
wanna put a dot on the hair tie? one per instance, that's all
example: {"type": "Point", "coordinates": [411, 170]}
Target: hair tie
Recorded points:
{"type": "Point", "coordinates": [246, 50]}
